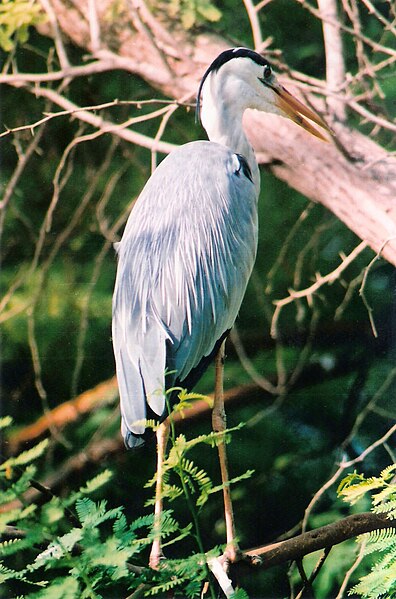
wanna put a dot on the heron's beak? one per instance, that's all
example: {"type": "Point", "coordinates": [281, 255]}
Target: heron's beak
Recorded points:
{"type": "Point", "coordinates": [299, 113]}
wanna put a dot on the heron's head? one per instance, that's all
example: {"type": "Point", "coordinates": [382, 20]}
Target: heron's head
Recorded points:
{"type": "Point", "coordinates": [240, 78]}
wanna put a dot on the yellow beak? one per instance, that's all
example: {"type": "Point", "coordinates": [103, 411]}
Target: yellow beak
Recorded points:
{"type": "Point", "coordinates": [296, 111]}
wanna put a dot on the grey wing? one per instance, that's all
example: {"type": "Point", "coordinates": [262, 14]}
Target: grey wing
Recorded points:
{"type": "Point", "coordinates": [184, 262]}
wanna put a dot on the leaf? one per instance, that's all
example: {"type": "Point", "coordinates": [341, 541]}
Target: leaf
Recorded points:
{"type": "Point", "coordinates": [26, 456]}
{"type": "Point", "coordinates": [65, 587]}
{"type": "Point", "coordinates": [52, 512]}
{"type": "Point", "coordinates": [209, 12]}
{"type": "Point", "coordinates": [240, 594]}
{"type": "Point", "coordinates": [97, 482]}
{"type": "Point", "coordinates": [58, 548]}
{"type": "Point", "coordinates": [5, 421]}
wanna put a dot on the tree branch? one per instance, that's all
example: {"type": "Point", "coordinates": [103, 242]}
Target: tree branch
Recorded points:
{"type": "Point", "coordinates": [320, 538]}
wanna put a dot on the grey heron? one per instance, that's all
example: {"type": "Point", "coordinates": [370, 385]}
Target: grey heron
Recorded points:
{"type": "Point", "coordinates": [190, 243]}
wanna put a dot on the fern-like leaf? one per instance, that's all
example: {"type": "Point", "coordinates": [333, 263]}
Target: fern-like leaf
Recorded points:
{"type": "Point", "coordinates": [96, 482]}
{"type": "Point", "coordinates": [381, 581]}
{"type": "Point", "coordinates": [26, 456]}
{"type": "Point", "coordinates": [5, 422]}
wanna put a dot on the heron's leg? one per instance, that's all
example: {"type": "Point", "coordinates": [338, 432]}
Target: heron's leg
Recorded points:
{"type": "Point", "coordinates": [219, 425]}
{"type": "Point", "coordinates": [162, 441]}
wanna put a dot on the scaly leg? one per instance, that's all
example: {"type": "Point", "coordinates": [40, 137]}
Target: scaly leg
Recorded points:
{"type": "Point", "coordinates": [162, 439]}
{"type": "Point", "coordinates": [219, 425]}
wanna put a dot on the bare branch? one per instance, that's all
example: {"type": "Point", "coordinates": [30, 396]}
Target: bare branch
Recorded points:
{"type": "Point", "coordinates": [254, 24]}
{"type": "Point", "coordinates": [335, 67]}
{"type": "Point", "coordinates": [367, 40]}
{"type": "Point", "coordinates": [310, 291]}
{"type": "Point", "coordinates": [94, 26]}
{"type": "Point", "coordinates": [320, 538]}
{"type": "Point", "coordinates": [351, 570]}
{"type": "Point", "coordinates": [60, 48]}
{"type": "Point", "coordinates": [341, 469]}
{"type": "Point", "coordinates": [101, 124]}
{"type": "Point", "coordinates": [49, 116]}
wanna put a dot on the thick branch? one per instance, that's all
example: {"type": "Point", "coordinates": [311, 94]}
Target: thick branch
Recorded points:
{"type": "Point", "coordinates": [320, 538]}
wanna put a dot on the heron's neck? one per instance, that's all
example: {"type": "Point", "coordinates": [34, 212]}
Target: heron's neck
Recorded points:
{"type": "Point", "coordinates": [225, 127]}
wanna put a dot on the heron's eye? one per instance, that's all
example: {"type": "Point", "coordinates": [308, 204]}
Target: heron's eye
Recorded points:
{"type": "Point", "coordinates": [267, 72]}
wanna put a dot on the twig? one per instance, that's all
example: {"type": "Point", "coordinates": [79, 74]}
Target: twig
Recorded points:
{"type": "Point", "coordinates": [373, 11]}
{"type": "Point", "coordinates": [364, 281]}
{"type": "Point", "coordinates": [35, 355]}
{"type": "Point", "coordinates": [138, 103]}
{"type": "Point", "coordinates": [370, 116]}
{"type": "Point", "coordinates": [351, 570]}
{"type": "Point", "coordinates": [370, 449]}
{"type": "Point", "coordinates": [286, 245]}
{"type": "Point", "coordinates": [164, 121]}
{"type": "Point", "coordinates": [60, 48]}
{"type": "Point", "coordinates": [247, 364]}
{"type": "Point", "coordinates": [254, 24]}
{"type": "Point", "coordinates": [342, 467]}
{"type": "Point", "coordinates": [101, 124]}
{"type": "Point", "coordinates": [310, 291]}
{"type": "Point", "coordinates": [306, 583]}
{"type": "Point", "coordinates": [13, 181]}
{"type": "Point", "coordinates": [372, 44]}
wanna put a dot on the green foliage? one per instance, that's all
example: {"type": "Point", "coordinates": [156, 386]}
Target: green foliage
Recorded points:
{"type": "Point", "coordinates": [381, 580]}
{"type": "Point", "coordinates": [193, 480]}
{"type": "Point", "coordinates": [16, 16]}
{"type": "Point", "coordinates": [77, 547]}
{"type": "Point", "coordinates": [193, 12]}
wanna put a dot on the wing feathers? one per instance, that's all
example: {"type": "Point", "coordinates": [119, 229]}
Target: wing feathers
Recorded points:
{"type": "Point", "coordinates": [184, 262]}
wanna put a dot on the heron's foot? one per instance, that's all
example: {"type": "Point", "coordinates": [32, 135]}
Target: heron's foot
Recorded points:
{"type": "Point", "coordinates": [232, 554]}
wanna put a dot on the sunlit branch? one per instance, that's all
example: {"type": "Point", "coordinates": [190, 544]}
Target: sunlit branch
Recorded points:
{"type": "Point", "coordinates": [92, 68]}
{"type": "Point", "coordinates": [71, 112]}
{"type": "Point", "coordinates": [60, 48]}
{"type": "Point", "coordinates": [320, 538]}
{"type": "Point", "coordinates": [94, 26]}
{"type": "Point", "coordinates": [135, 7]}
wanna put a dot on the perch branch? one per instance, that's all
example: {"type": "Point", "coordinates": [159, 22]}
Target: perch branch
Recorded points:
{"type": "Point", "coordinates": [320, 538]}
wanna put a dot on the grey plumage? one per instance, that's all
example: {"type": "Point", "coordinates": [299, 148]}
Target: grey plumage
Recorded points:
{"type": "Point", "coordinates": [184, 262]}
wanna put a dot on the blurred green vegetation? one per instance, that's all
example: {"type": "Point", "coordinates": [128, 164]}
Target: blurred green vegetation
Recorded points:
{"type": "Point", "coordinates": [59, 311]}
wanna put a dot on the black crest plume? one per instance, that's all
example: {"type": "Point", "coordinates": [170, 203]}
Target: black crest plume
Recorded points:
{"type": "Point", "coordinates": [218, 62]}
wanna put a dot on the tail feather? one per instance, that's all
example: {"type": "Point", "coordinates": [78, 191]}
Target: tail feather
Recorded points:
{"type": "Point", "coordinates": [132, 396]}
{"type": "Point", "coordinates": [141, 382]}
